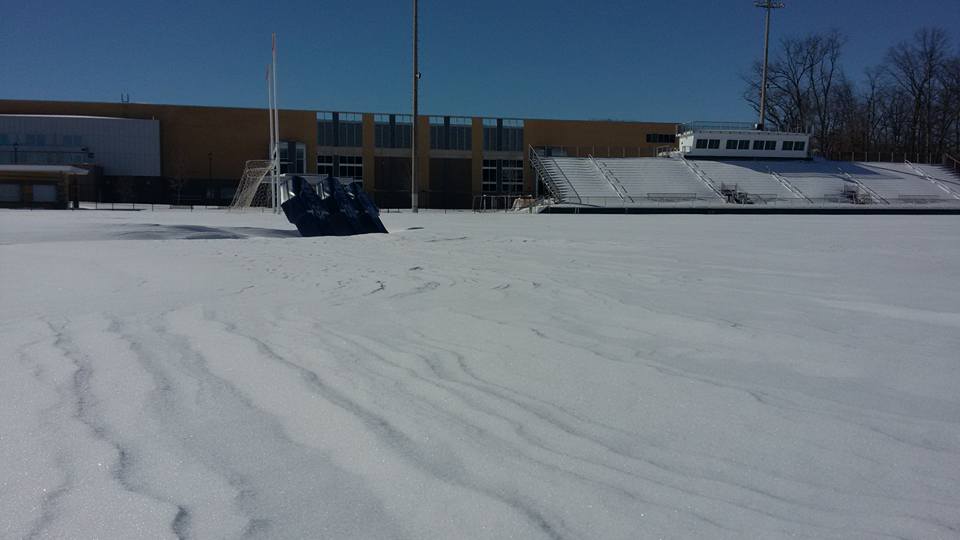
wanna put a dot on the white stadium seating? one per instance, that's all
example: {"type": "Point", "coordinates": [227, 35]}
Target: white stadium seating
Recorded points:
{"type": "Point", "coordinates": [641, 181]}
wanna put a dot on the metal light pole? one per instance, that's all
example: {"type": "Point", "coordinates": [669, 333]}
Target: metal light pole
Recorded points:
{"type": "Point", "coordinates": [769, 6]}
{"type": "Point", "coordinates": [414, 206]}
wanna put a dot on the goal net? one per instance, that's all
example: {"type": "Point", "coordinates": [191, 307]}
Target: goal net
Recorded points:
{"type": "Point", "coordinates": [254, 188]}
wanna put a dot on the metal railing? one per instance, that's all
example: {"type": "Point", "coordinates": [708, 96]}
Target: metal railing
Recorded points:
{"type": "Point", "coordinates": [611, 179]}
{"type": "Point", "coordinates": [702, 176]}
{"type": "Point", "coordinates": [733, 126]}
{"type": "Point", "coordinates": [873, 194]}
{"type": "Point", "coordinates": [548, 179]}
{"type": "Point", "coordinates": [786, 183]}
{"type": "Point", "coordinates": [951, 163]}
{"type": "Point", "coordinates": [932, 180]}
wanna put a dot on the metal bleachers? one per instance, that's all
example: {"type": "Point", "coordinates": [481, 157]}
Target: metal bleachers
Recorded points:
{"type": "Point", "coordinates": [587, 180]}
{"type": "Point", "coordinates": [900, 182]}
{"type": "Point", "coordinates": [657, 179]}
{"type": "Point", "coordinates": [942, 175]}
{"type": "Point", "coordinates": [641, 181]}
{"type": "Point", "coordinates": [755, 179]}
{"type": "Point", "coordinates": [817, 181]}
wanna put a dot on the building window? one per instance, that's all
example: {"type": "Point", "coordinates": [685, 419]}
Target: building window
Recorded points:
{"type": "Point", "coordinates": [798, 146]}
{"type": "Point", "coordinates": [713, 144]}
{"type": "Point", "coordinates": [758, 145]}
{"type": "Point", "coordinates": [490, 175]}
{"type": "Point", "coordinates": [450, 133]}
{"type": "Point", "coordinates": [511, 175]}
{"type": "Point", "coordinates": [788, 146]}
{"type": "Point", "coordinates": [503, 134]}
{"type": "Point", "coordinates": [351, 167]}
{"type": "Point", "coordinates": [660, 138]}
{"type": "Point", "coordinates": [36, 139]}
{"type": "Point", "coordinates": [9, 192]}
{"type": "Point", "coordinates": [744, 144]}
{"type": "Point", "coordinates": [770, 145]}
{"type": "Point", "coordinates": [502, 175]}
{"type": "Point", "coordinates": [284, 157]}
{"type": "Point", "coordinates": [702, 143]}
{"type": "Point", "coordinates": [44, 193]}
{"type": "Point", "coordinates": [325, 165]}
{"type": "Point", "coordinates": [71, 140]}
{"type": "Point", "coordinates": [731, 144]}
{"type": "Point", "coordinates": [339, 129]}
{"type": "Point", "coordinates": [301, 164]}
{"type": "Point", "coordinates": [392, 130]}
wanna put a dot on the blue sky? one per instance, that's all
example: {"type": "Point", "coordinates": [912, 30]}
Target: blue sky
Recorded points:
{"type": "Point", "coordinates": [631, 60]}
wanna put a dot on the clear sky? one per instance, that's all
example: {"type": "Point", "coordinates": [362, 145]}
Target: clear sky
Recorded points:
{"type": "Point", "coordinates": [672, 60]}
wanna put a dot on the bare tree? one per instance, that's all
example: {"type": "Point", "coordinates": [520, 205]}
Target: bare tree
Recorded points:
{"type": "Point", "coordinates": [910, 103]}
{"type": "Point", "coordinates": [179, 180]}
{"type": "Point", "coordinates": [916, 66]}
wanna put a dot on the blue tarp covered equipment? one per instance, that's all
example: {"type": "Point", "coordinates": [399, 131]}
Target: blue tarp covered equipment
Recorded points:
{"type": "Point", "coordinates": [337, 210]}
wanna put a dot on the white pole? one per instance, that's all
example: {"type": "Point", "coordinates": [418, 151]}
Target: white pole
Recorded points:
{"type": "Point", "coordinates": [272, 147]}
{"type": "Point", "coordinates": [276, 131]}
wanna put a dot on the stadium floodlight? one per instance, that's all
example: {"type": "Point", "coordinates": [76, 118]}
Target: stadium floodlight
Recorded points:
{"type": "Point", "coordinates": [769, 5]}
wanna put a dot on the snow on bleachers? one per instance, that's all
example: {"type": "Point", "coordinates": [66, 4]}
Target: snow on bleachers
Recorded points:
{"type": "Point", "coordinates": [819, 181]}
{"type": "Point", "coordinates": [602, 181]}
{"type": "Point", "coordinates": [588, 182]}
{"type": "Point", "coordinates": [944, 176]}
{"type": "Point", "coordinates": [752, 177]}
{"type": "Point", "coordinates": [895, 182]}
{"type": "Point", "coordinates": [657, 179]}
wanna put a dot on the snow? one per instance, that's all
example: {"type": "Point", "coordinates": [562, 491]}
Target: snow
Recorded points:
{"type": "Point", "coordinates": [207, 375]}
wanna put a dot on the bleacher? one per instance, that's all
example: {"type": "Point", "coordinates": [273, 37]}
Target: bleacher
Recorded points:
{"type": "Point", "coordinates": [652, 181]}
{"type": "Point", "coordinates": [819, 181]}
{"type": "Point", "coordinates": [896, 182]}
{"type": "Point", "coordinates": [942, 175]}
{"type": "Point", "coordinates": [587, 182]}
{"type": "Point", "coordinates": [756, 180]}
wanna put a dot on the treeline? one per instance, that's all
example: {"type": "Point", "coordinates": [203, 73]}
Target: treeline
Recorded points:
{"type": "Point", "coordinates": [910, 103]}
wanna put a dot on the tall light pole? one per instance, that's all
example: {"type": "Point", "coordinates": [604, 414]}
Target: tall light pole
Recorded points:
{"type": "Point", "coordinates": [414, 206]}
{"type": "Point", "coordinates": [769, 5]}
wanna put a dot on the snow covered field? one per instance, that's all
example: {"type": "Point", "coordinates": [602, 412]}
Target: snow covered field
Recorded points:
{"type": "Point", "coordinates": [211, 375]}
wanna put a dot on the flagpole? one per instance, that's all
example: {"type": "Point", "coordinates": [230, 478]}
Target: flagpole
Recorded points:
{"type": "Point", "coordinates": [276, 131]}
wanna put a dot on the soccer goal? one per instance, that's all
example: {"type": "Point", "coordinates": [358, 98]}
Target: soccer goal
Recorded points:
{"type": "Point", "coordinates": [254, 188]}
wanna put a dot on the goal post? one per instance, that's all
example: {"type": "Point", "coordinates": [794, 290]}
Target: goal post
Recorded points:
{"type": "Point", "coordinates": [255, 188]}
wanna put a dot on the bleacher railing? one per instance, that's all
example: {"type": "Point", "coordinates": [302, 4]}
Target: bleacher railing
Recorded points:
{"type": "Point", "coordinates": [786, 183]}
{"type": "Point", "coordinates": [550, 181]}
{"type": "Point", "coordinates": [934, 181]}
{"type": "Point", "coordinates": [866, 189]}
{"type": "Point", "coordinates": [611, 179]}
{"type": "Point", "coordinates": [702, 176]}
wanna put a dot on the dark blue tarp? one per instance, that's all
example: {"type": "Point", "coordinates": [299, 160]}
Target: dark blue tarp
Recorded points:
{"type": "Point", "coordinates": [337, 211]}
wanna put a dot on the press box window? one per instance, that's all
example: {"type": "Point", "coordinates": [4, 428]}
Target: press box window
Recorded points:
{"type": "Point", "coordinates": [701, 143]}
{"type": "Point", "coordinates": [770, 145]}
{"type": "Point", "coordinates": [731, 144]}
{"type": "Point", "coordinates": [713, 144]}
{"type": "Point", "coordinates": [744, 144]}
{"type": "Point", "coordinates": [788, 146]}
{"type": "Point", "coordinates": [798, 146]}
